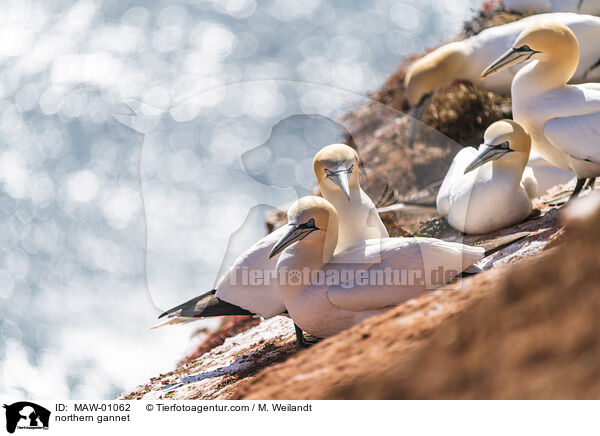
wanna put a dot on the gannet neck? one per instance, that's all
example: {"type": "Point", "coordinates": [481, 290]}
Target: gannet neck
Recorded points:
{"type": "Point", "coordinates": [540, 76]}
{"type": "Point", "coordinates": [358, 219]}
{"type": "Point", "coordinates": [436, 69]}
{"type": "Point", "coordinates": [329, 242]}
{"type": "Point", "coordinates": [510, 168]}
{"type": "Point", "coordinates": [336, 170]}
{"type": "Point", "coordinates": [312, 252]}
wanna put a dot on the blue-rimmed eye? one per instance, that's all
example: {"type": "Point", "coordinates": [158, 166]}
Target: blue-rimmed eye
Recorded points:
{"type": "Point", "coordinates": [310, 222]}
{"type": "Point", "coordinates": [328, 172]}
{"type": "Point", "coordinates": [351, 169]}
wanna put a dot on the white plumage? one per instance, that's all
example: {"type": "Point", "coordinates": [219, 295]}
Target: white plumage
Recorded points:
{"type": "Point", "coordinates": [359, 220]}
{"type": "Point", "coordinates": [562, 119]}
{"type": "Point", "coordinates": [570, 129]}
{"type": "Point", "coordinates": [324, 308]}
{"type": "Point", "coordinates": [464, 60]}
{"type": "Point", "coordinates": [496, 190]}
{"type": "Point", "coordinates": [262, 299]}
{"type": "Point", "coordinates": [546, 174]}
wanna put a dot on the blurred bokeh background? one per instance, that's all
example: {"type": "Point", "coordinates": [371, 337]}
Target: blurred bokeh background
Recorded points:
{"type": "Point", "coordinates": [75, 304]}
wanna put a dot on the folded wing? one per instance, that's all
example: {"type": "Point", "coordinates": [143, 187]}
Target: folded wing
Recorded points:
{"type": "Point", "coordinates": [251, 282]}
{"type": "Point", "coordinates": [380, 273]}
{"type": "Point", "coordinates": [576, 135]}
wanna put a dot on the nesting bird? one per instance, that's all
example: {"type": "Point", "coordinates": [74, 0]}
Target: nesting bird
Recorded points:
{"type": "Point", "coordinates": [464, 60]}
{"type": "Point", "coordinates": [336, 170]}
{"type": "Point", "coordinates": [563, 120]}
{"type": "Point", "coordinates": [326, 307]}
{"type": "Point", "coordinates": [490, 188]}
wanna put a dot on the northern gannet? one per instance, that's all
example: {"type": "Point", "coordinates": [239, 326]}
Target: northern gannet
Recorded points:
{"type": "Point", "coordinates": [563, 120]}
{"type": "Point", "coordinates": [499, 193]}
{"type": "Point", "coordinates": [464, 60]}
{"type": "Point", "coordinates": [336, 170]}
{"type": "Point", "coordinates": [542, 6]}
{"type": "Point", "coordinates": [326, 293]}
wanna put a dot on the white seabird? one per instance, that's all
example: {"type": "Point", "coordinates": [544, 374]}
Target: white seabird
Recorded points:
{"type": "Point", "coordinates": [499, 193]}
{"type": "Point", "coordinates": [563, 120]}
{"type": "Point", "coordinates": [464, 60]}
{"type": "Point", "coordinates": [336, 169]}
{"type": "Point", "coordinates": [326, 307]}
{"type": "Point", "coordinates": [542, 6]}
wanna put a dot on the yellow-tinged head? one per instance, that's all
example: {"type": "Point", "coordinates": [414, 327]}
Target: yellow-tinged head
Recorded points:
{"type": "Point", "coordinates": [500, 140]}
{"type": "Point", "coordinates": [433, 70]}
{"type": "Point", "coordinates": [508, 132]}
{"type": "Point", "coordinates": [310, 219]}
{"type": "Point", "coordinates": [426, 75]}
{"type": "Point", "coordinates": [548, 38]}
{"type": "Point", "coordinates": [546, 41]}
{"type": "Point", "coordinates": [315, 208]}
{"type": "Point", "coordinates": [336, 169]}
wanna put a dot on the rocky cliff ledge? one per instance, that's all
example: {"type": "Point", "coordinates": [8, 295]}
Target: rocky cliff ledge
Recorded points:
{"type": "Point", "coordinates": [513, 331]}
{"type": "Point", "coordinates": [526, 327]}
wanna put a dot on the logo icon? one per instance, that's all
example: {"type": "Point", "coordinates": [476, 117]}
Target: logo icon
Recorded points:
{"type": "Point", "coordinates": [26, 415]}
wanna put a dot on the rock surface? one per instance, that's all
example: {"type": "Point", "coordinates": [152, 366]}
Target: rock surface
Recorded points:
{"type": "Point", "coordinates": [264, 362]}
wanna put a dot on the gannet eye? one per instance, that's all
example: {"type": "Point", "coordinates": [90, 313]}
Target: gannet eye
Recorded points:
{"type": "Point", "coordinates": [310, 222]}
{"type": "Point", "coordinates": [524, 48]}
{"type": "Point", "coordinates": [328, 172]}
{"type": "Point", "coordinates": [351, 169]}
{"type": "Point", "coordinates": [502, 146]}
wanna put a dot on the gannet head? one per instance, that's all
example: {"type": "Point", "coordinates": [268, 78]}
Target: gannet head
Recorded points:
{"type": "Point", "coordinates": [426, 75]}
{"type": "Point", "coordinates": [501, 139]}
{"type": "Point", "coordinates": [544, 41]}
{"type": "Point", "coordinates": [310, 220]}
{"type": "Point", "coordinates": [336, 168]}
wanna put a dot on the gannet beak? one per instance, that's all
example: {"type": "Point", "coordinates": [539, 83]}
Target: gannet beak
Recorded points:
{"type": "Point", "coordinates": [510, 58]}
{"type": "Point", "coordinates": [296, 232]}
{"type": "Point", "coordinates": [341, 178]}
{"type": "Point", "coordinates": [416, 115]}
{"type": "Point", "coordinates": [488, 154]}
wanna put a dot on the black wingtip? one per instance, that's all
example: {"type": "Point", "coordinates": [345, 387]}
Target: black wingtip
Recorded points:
{"type": "Point", "coordinates": [205, 305]}
{"type": "Point", "coordinates": [191, 302]}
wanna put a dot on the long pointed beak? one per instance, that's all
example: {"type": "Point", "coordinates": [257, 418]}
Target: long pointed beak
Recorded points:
{"type": "Point", "coordinates": [508, 59]}
{"type": "Point", "coordinates": [487, 154]}
{"type": "Point", "coordinates": [295, 233]}
{"type": "Point", "coordinates": [342, 180]}
{"type": "Point", "coordinates": [416, 115]}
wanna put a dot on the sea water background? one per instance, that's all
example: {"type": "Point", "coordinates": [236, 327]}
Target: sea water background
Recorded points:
{"type": "Point", "coordinates": [74, 301]}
